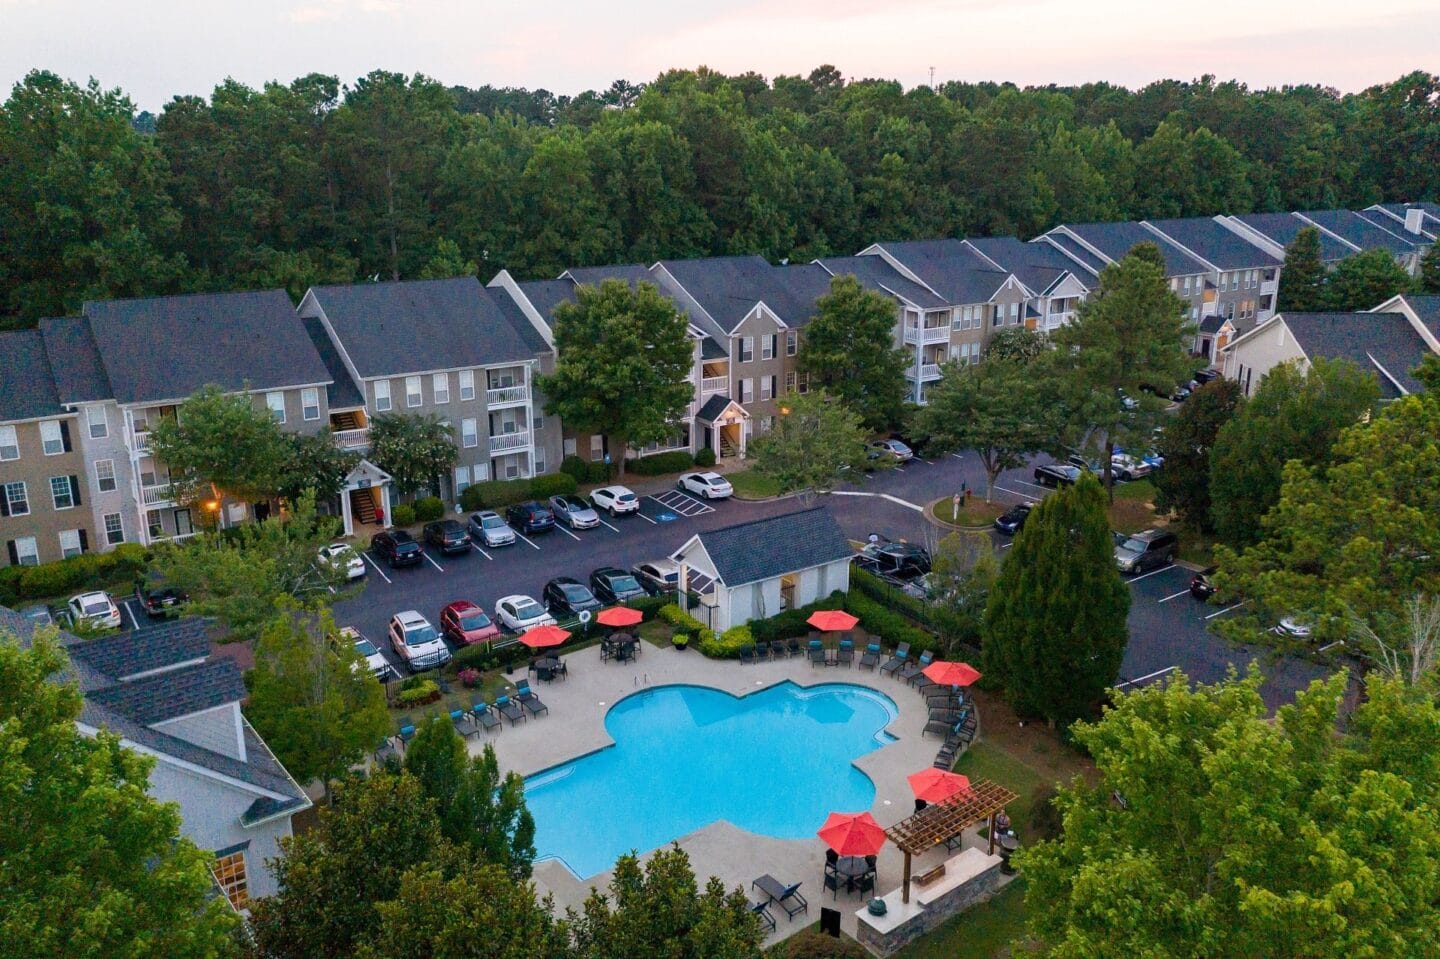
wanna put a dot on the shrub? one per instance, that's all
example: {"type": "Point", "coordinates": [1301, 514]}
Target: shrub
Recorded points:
{"type": "Point", "coordinates": [428, 508]}
{"type": "Point", "coordinates": [573, 465]}
{"type": "Point", "coordinates": [403, 514]}
{"type": "Point", "coordinates": [706, 457]}
{"type": "Point", "coordinates": [495, 494]}
{"type": "Point", "coordinates": [814, 944]}
{"type": "Point", "coordinates": [424, 692]}
{"type": "Point", "coordinates": [599, 472]}
{"type": "Point", "coordinates": [649, 605]}
{"type": "Point", "coordinates": [683, 621]}
{"type": "Point", "coordinates": [661, 463]}
{"type": "Point", "coordinates": [893, 627]}
{"type": "Point", "coordinates": [728, 644]}
{"type": "Point", "coordinates": [480, 656]}
{"type": "Point", "coordinates": [469, 677]}
{"type": "Point", "coordinates": [76, 574]}
{"type": "Point", "coordinates": [553, 484]}
{"type": "Point", "coordinates": [1046, 820]}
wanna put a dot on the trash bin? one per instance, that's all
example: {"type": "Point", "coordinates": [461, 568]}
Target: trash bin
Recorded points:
{"type": "Point", "coordinates": [1008, 844]}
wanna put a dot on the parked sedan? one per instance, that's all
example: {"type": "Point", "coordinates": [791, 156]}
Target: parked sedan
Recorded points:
{"type": "Point", "coordinates": [705, 485]}
{"type": "Point", "coordinates": [615, 500]}
{"type": "Point", "coordinates": [567, 596]}
{"type": "Point", "coordinates": [520, 613]}
{"type": "Point", "coordinates": [343, 558]}
{"type": "Point", "coordinates": [375, 662]}
{"type": "Point", "coordinates": [1013, 519]}
{"type": "Point", "coordinates": [448, 536]}
{"type": "Point", "coordinates": [574, 511]}
{"type": "Point", "coordinates": [1294, 626]}
{"type": "Point", "coordinates": [158, 601]}
{"type": "Point", "coordinates": [465, 624]}
{"type": "Point", "coordinates": [1127, 467]}
{"type": "Point", "coordinates": [1202, 584]}
{"type": "Point", "coordinates": [491, 529]}
{"type": "Point", "coordinates": [657, 576]}
{"type": "Point", "coordinates": [416, 642]}
{"type": "Point", "coordinates": [894, 448]}
{"type": "Point", "coordinates": [1057, 474]}
{"type": "Point", "coordinates": [96, 610]}
{"type": "Point", "coordinates": [397, 547]}
{"type": "Point", "coordinates": [530, 517]}
{"type": "Point", "coordinates": [613, 585]}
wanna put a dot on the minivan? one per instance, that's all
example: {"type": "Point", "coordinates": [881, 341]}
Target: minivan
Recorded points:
{"type": "Point", "coordinates": [1147, 549]}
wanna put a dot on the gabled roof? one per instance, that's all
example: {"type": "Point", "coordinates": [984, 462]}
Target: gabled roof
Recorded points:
{"type": "Point", "coordinates": [726, 287]}
{"type": "Point", "coordinates": [1394, 213]}
{"type": "Point", "coordinates": [1427, 309]}
{"type": "Point", "coordinates": [147, 649]}
{"type": "Point", "coordinates": [1115, 240]}
{"type": "Point", "coordinates": [713, 407]}
{"type": "Point", "coordinates": [75, 360]}
{"type": "Point", "coordinates": [1356, 229]}
{"type": "Point", "coordinates": [515, 316]}
{"type": "Point", "coordinates": [545, 295]}
{"type": "Point", "coordinates": [632, 273]}
{"type": "Point", "coordinates": [710, 349]}
{"type": "Point", "coordinates": [342, 393]}
{"type": "Point", "coordinates": [766, 548]}
{"type": "Point", "coordinates": [954, 271]}
{"type": "Point", "coordinates": [1281, 229]}
{"type": "Point", "coordinates": [1212, 242]}
{"type": "Point", "coordinates": [416, 326]}
{"type": "Point", "coordinates": [27, 388]}
{"type": "Point", "coordinates": [167, 347]}
{"type": "Point", "coordinates": [175, 693]}
{"type": "Point", "coordinates": [1073, 251]}
{"type": "Point", "coordinates": [1384, 343]}
{"type": "Point", "coordinates": [1038, 265]}
{"type": "Point", "coordinates": [875, 273]}
{"type": "Point", "coordinates": [792, 292]}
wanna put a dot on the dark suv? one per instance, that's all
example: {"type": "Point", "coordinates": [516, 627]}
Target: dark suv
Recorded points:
{"type": "Point", "coordinates": [530, 517]}
{"type": "Point", "coordinates": [448, 536]}
{"type": "Point", "coordinates": [612, 585]}
{"type": "Point", "coordinates": [900, 561]}
{"type": "Point", "coordinates": [566, 596]}
{"type": "Point", "coordinates": [396, 547]}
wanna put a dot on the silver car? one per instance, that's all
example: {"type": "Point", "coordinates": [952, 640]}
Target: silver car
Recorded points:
{"type": "Point", "coordinates": [574, 511]}
{"type": "Point", "coordinates": [491, 529]}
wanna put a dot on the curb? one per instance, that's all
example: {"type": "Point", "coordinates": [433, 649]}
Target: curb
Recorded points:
{"type": "Point", "coordinates": [934, 520]}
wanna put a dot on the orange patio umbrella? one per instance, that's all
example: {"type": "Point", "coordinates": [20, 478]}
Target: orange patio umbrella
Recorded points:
{"type": "Point", "coordinates": [852, 834]}
{"type": "Point", "coordinates": [937, 785]}
{"type": "Point", "coordinates": [542, 637]}
{"type": "Point", "coordinates": [951, 674]}
{"type": "Point", "coordinates": [619, 616]}
{"type": "Point", "coordinates": [832, 620]}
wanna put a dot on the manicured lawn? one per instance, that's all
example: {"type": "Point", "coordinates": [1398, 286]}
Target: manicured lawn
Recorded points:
{"type": "Point", "coordinates": [1133, 509]}
{"type": "Point", "coordinates": [984, 932]}
{"type": "Point", "coordinates": [982, 761]}
{"type": "Point", "coordinates": [977, 513]}
{"type": "Point", "coordinates": [751, 485]}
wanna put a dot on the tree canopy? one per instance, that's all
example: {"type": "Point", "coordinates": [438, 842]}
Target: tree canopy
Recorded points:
{"type": "Point", "coordinates": [1183, 486]}
{"type": "Point", "coordinates": [1365, 280]}
{"type": "Point", "coordinates": [1302, 277]}
{"type": "Point", "coordinates": [221, 444]}
{"type": "Point", "coordinates": [814, 441]}
{"type": "Point", "coordinates": [415, 450]}
{"type": "Point", "coordinates": [848, 349]}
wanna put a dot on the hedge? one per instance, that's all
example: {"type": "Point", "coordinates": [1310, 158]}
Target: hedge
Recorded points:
{"type": "Point", "coordinates": [661, 463]}
{"type": "Point", "coordinates": [497, 494]}
{"type": "Point", "coordinates": [553, 484]}
{"type": "Point", "coordinates": [688, 625]}
{"type": "Point", "coordinates": [706, 457]}
{"type": "Point", "coordinates": [893, 627]}
{"type": "Point", "coordinates": [74, 575]}
{"type": "Point", "coordinates": [792, 621]}
{"type": "Point", "coordinates": [428, 508]}
{"type": "Point", "coordinates": [728, 644]}
{"type": "Point", "coordinates": [650, 606]}
{"type": "Point", "coordinates": [485, 657]}
{"type": "Point", "coordinates": [403, 514]}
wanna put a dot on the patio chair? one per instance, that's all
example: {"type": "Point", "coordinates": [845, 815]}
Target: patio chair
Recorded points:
{"type": "Point", "coordinates": [485, 717]}
{"type": "Point", "coordinates": [833, 881]}
{"type": "Point", "coordinates": [786, 897]}
{"type": "Point", "coordinates": [871, 657]}
{"type": "Point", "coordinates": [777, 649]}
{"type": "Point", "coordinates": [387, 750]}
{"type": "Point", "coordinates": [747, 655]}
{"type": "Point", "coordinates": [407, 732]}
{"type": "Point", "coordinates": [865, 883]}
{"type": "Point", "coordinates": [763, 913]}
{"type": "Point", "coordinates": [916, 668]}
{"type": "Point", "coordinates": [845, 655]}
{"type": "Point", "coordinates": [901, 657]}
{"type": "Point", "coordinates": [509, 710]}
{"type": "Point", "coordinates": [817, 653]}
{"type": "Point", "coordinates": [463, 724]}
{"type": "Point", "coordinates": [793, 645]}
{"type": "Point", "coordinates": [529, 700]}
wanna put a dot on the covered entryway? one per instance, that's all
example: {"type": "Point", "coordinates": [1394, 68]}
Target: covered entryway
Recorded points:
{"type": "Point", "coordinates": [722, 422]}
{"type": "Point", "coordinates": [363, 500]}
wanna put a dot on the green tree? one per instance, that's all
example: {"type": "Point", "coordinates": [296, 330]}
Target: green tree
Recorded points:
{"type": "Point", "coordinates": [1292, 415]}
{"type": "Point", "coordinates": [1183, 486]}
{"type": "Point", "coordinates": [963, 574]}
{"type": "Point", "coordinates": [477, 807]}
{"type": "Point", "coordinates": [849, 349]}
{"type": "Point", "coordinates": [221, 444]}
{"type": "Point", "coordinates": [658, 913]}
{"type": "Point", "coordinates": [93, 867]}
{"type": "Point", "coordinates": [315, 462]}
{"type": "Point", "coordinates": [815, 441]}
{"type": "Point", "coordinates": [311, 697]}
{"type": "Point", "coordinates": [1243, 836]}
{"type": "Point", "coordinates": [1128, 333]}
{"type": "Point", "coordinates": [415, 450]}
{"type": "Point", "coordinates": [625, 358]}
{"type": "Point", "coordinates": [1302, 278]}
{"type": "Point", "coordinates": [1055, 627]}
{"type": "Point", "coordinates": [1016, 343]}
{"type": "Point", "coordinates": [1430, 270]}
{"type": "Point", "coordinates": [448, 261]}
{"type": "Point", "coordinates": [1365, 280]}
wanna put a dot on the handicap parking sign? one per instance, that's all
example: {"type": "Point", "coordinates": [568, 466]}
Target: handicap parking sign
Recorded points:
{"type": "Point", "coordinates": [667, 517]}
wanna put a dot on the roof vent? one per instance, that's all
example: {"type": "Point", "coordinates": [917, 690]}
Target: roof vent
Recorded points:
{"type": "Point", "coordinates": [1414, 216]}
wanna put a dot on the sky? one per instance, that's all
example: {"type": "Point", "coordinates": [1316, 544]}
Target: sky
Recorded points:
{"type": "Point", "coordinates": [157, 49]}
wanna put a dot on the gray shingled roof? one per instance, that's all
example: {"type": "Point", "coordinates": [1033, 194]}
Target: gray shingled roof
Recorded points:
{"type": "Point", "coordinates": [726, 287]}
{"type": "Point", "coordinates": [792, 292]}
{"type": "Point", "coordinates": [174, 693]}
{"type": "Point", "coordinates": [146, 649]}
{"type": "Point", "coordinates": [391, 329]}
{"type": "Point", "coordinates": [1038, 265]}
{"type": "Point", "coordinates": [27, 389]}
{"type": "Point", "coordinates": [876, 273]}
{"type": "Point", "coordinates": [1117, 239]}
{"type": "Point", "coordinates": [1282, 228]}
{"type": "Point", "coordinates": [1364, 233]}
{"type": "Point", "coordinates": [1073, 251]}
{"type": "Point", "coordinates": [519, 322]}
{"type": "Point", "coordinates": [950, 268]}
{"type": "Point", "coordinates": [1395, 213]}
{"type": "Point", "coordinates": [710, 349]}
{"type": "Point", "coordinates": [1427, 308]}
{"type": "Point", "coordinates": [713, 407]}
{"type": "Point", "coordinates": [342, 393]}
{"type": "Point", "coordinates": [765, 548]}
{"type": "Point", "coordinates": [545, 295]}
{"type": "Point", "coordinates": [170, 346]}
{"type": "Point", "coordinates": [632, 273]}
{"type": "Point", "coordinates": [1209, 240]}
{"type": "Point", "coordinates": [75, 360]}
{"type": "Point", "coordinates": [1370, 340]}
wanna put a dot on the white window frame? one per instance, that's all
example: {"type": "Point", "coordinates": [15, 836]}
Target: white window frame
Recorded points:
{"type": "Point", "coordinates": [792, 342]}
{"type": "Point", "coordinates": [9, 444]}
{"type": "Point", "coordinates": [110, 534]}
{"type": "Point", "coordinates": [467, 385]}
{"type": "Point", "coordinates": [747, 349]}
{"type": "Point", "coordinates": [310, 400]}
{"type": "Point", "coordinates": [275, 402]}
{"type": "Point", "coordinates": [155, 524]}
{"type": "Point", "coordinates": [47, 426]}
{"type": "Point", "coordinates": [74, 547]}
{"type": "Point", "coordinates": [381, 389]}
{"type": "Point", "coordinates": [469, 433]}
{"type": "Point", "coordinates": [104, 475]}
{"type": "Point", "coordinates": [462, 479]}
{"type": "Point", "coordinates": [766, 391]}
{"type": "Point", "coordinates": [440, 389]}
{"type": "Point", "coordinates": [90, 423]}
{"type": "Point", "coordinates": [767, 346]}
{"type": "Point", "coordinates": [69, 494]}
{"type": "Point", "coordinates": [10, 500]}
{"type": "Point", "coordinates": [414, 392]}
{"type": "Point", "coordinates": [24, 557]}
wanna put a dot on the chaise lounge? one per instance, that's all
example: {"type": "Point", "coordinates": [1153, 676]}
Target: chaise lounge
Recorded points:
{"type": "Point", "coordinates": [786, 897]}
{"type": "Point", "coordinates": [901, 657]}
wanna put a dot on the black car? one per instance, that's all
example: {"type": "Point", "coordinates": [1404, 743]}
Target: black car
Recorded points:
{"type": "Point", "coordinates": [1205, 376]}
{"type": "Point", "coordinates": [613, 585]}
{"type": "Point", "coordinates": [1057, 474]}
{"type": "Point", "coordinates": [899, 561]}
{"type": "Point", "coordinates": [1014, 518]}
{"type": "Point", "coordinates": [530, 517]}
{"type": "Point", "coordinates": [1202, 585]}
{"type": "Point", "coordinates": [448, 536]}
{"type": "Point", "coordinates": [566, 596]}
{"type": "Point", "coordinates": [396, 547]}
{"type": "Point", "coordinates": [159, 601]}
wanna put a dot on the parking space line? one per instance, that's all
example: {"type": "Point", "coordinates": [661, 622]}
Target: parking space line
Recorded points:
{"type": "Point", "coordinates": [1153, 572]}
{"type": "Point", "coordinates": [608, 526]}
{"type": "Point", "coordinates": [1007, 545]}
{"type": "Point", "coordinates": [1141, 679]}
{"type": "Point", "coordinates": [1015, 492]}
{"type": "Point", "coordinates": [924, 460]}
{"type": "Point", "coordinates": [1227, 609]}
{"type": "Point", "coordinates": [646, 518]}
{"type": "Point", "coordinates": [526, 539]}
{"type": "Point", "coordinates": [957, 456]}
{"type": "Point", "coordinates": [567, 532]}
{"type": "Point", "coordinates": [1028, 483]}
{"type": "Point", "coordinates": [1172, 596]}
{"type": "Point", "coordinates": [477, 549]}
{"type": "Point", "coordinates": [367, 559]}
{"type": "Point", "coordinates": [898, 469]}
{"type": "Point", "coordinates": [134, 623]}
{"type": "Point", "coordinates": [432, 562]}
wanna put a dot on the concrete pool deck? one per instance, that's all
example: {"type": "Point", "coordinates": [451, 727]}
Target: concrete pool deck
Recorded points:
{"type": "Point", "coordinates": [575, 725]}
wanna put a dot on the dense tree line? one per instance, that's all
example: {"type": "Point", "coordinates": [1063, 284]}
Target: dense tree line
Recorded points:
{"type": "Point", "coordinates": [316, 181]}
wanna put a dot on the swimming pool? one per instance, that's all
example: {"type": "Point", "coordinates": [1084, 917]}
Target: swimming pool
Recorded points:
{"type": "Point", "coordinates": [775, 762]}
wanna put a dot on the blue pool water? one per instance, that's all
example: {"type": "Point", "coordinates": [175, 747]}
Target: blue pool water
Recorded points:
{"type": "Point", "coordinates": [776, 762]}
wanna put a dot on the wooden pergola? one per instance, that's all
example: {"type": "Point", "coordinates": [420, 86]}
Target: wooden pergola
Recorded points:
{"type": "Point", "coordinates": [942, 821]}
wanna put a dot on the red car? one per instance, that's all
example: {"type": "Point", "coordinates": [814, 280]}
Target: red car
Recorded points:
{"type": "Point", "coordinates": [465, 623]}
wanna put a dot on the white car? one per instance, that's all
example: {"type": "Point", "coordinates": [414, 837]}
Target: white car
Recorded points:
{"type": "Point", "coordinates": [342, 556]}
{"type": "Point", "coordinates": [616, 500]}
{"type": "Point", "coordinates": [375, 662]}
{"type": "Point", "coordinates": [417, 642]}
{"type": "Point", "coordinates": [705, 485]}
{"type": "Point", "coordinates": [521, 614]}
{"type": "Point", "coordinates": [1295, 626]}
{"type": "Point", "coordinates": [96, 610]}
{"type": "Point", "coordinates": [1127, 467]}
{"type": "Point", "coordinates": [490, 528]}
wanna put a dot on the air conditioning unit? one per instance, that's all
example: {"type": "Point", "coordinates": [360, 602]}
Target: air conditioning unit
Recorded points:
{"type": "Point", "coordinates": [1414, 217]}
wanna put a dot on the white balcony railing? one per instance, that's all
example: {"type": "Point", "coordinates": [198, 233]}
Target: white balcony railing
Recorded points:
{"type": "Point", "coordinates": [508, 395]}
{"type": "Point", "coordinates": [142, 442]}
{"type": "Point", "coordinates": [927, 334]}
{"type": "Point", "coordinates": [928, 371]}
{"type": "Point", "coordinates": [353, 439]}
{"type": "Point", "coordinates": [714, 384]}
{"type": "Point", "coordinates": [157, 495]}
{"type": "Point", "coordinates": [506, 442]}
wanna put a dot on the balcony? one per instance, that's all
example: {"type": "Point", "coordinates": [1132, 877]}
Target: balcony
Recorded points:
{"type": "Point", "coordinates": [508, 395]}
{"type": "Point", "coordinates": [353, 439]}
{"type": "Point", "coordinates": [714, 384]}
{"type": "Point", "coordinates": [927, 334]}
{"type": "Point", "coordinates": [157, 496]}
{"type": "Point", "coordinates": [142, 442]}
{"type": "Point", "coordinates": [509, 442]}
{"type": "Point", "coordinates": [928, 371]}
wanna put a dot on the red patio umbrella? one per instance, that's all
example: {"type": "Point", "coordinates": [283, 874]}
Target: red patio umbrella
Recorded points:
{"type": "Point", "coordinates": [832, 620]}
{"type": "Point", "coordinates": [937, 785]}
{"type": "Point", "coordinates": [619, 616]}
{"type": "Point", "coordinates": [852, 834]}
{"type": "Point", "coordinates": [545, 636]}
{"type": "Point", "coordinates": [952, 674]}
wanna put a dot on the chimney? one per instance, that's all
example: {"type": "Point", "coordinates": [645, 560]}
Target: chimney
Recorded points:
{"type": "Point", "coordinates": [1414, 216]}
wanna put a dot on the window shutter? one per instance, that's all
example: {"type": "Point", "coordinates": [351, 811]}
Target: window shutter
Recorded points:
{"type": "Point", "coordinates": [4, 502]}
{"type": "Point", "coordinates": [75, 488]}
{"type": "Point", "coordinates": [84, 542]}
{"type": "Point", "coordinates": [14, 553]}
{"type": "Point", "coordinates": [65, 437]}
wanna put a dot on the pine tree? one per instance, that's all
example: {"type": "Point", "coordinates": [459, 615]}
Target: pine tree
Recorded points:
{"type": "Point", "coordinates": [1430, 270]}
{"type": "Point", "coordinates": [1302, 278]}
{"type": "Point", "coordinates": [1055, 628]}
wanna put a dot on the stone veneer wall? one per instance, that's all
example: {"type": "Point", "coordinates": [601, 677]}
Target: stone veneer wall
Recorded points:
{"type": "Point", "coordinates": [931, 915]}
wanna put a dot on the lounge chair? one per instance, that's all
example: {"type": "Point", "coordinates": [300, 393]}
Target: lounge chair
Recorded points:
{"type": "Point", "coordinates": [760, 910]}
{"type": "Point", "coordinates": [786, 897]}
{"type": "Point", "coordinates": [916, 668]}
{"type": "Point", "coordinates": [777, 649]}
{"type": "Point", "coordinates": [509, 710]}
{"type": "Point", "coordinates": [387, 750]}
{"type": "Point", "coordinates": [794, 647]}
{"type": "Point", "coordinates": [407, 733]}
{"type": "Point", "coordinates": [485, 716]}
{"type": "Point", "coordinates": [845, 655]}
{"type": "Point", "coordinates": [871, 657]}
{"type": "Point", "coordinates": [901, 657]}
{"type": "Point", "coordinates": [817, 653]}
{"type": "Point", "coordinates": [747, 655]}
{"type": "Point", "coordinates": [529, 700]}
{"type": "Point", "coordinates": [463, 724]}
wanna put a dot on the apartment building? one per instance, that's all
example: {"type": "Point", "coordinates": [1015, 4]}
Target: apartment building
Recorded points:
{"type": "Point", "coordinates": [1417, 222]}
{"type": "Point", "coordinates": [451, 349]}
{"type": "Point", "coordinates": [1054, 283]}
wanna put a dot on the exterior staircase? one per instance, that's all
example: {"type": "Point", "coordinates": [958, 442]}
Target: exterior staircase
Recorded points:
{"type": "Point", "coordinates": [341, 422]}
{"type": "Point", "coordinates": [364, 507]}
{"type": "Point", "coordinates": [727, 448]}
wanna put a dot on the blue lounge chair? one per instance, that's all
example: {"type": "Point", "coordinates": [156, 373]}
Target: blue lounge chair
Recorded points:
{"type": "Point", "coordinates": [509, 710]}
{"type": "Point", "coordinates": [747, 655]}
{"type": "Point", "coordinates": [794, 647]}
{"type": "Point", "coordinates": [528, 699]}
{"type": "Point", "coordinates": [407, 733]}
{"type": "Point", "coordinates": [845, 655]}
{"type": "Point", "coordinates": [786, 897]}
{"type": "Point", "coordinates": [871, 657]}
{"type": "Point", "coordinates": [767, 921]}
{"type": "Point", "coordinates": [485, 717]}
{"type": "Point", "coordinates": [915, 669]}
{"type": "Point", "coordinates": [817, 653]}
{"type": "Point", "coordinates": [463, 724]}
{"type": "Point", "coordinates": [901, 657]}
